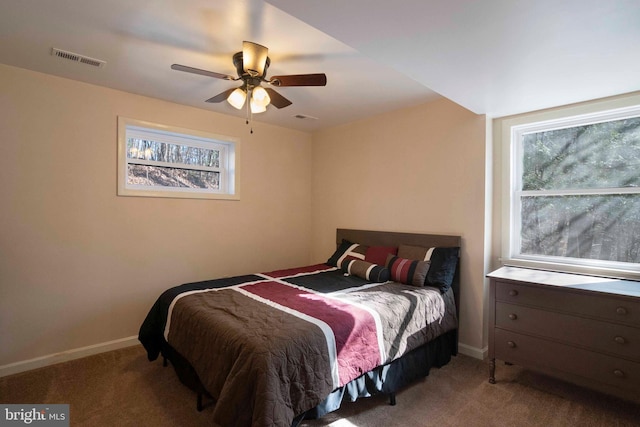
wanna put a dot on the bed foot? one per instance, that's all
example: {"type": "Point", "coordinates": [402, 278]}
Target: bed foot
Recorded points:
{"type": "Point", "coordinates": [392, 399]}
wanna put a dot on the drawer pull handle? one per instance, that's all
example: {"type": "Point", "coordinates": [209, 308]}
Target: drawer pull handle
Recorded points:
{"type": "Point", "coordinates": [618, 373]}
{"type": "Point", "coordinates": [511, 344]}
{"type": "Point", "coordinates": [514, 316]}
{"type": "Point", "coordinates": [621, 310]}
{"type": "Point", "coordinates": [620, 340]}
{"type": "Point", "coordinates": [513, 293]}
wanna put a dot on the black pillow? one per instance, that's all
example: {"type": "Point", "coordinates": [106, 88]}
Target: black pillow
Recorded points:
{"type": "Point", "coordinates": [348, 250]}
{"type": "Point", "coordinates": [344, 246]}
{"type": "Point", "coordinates": [443, 267]}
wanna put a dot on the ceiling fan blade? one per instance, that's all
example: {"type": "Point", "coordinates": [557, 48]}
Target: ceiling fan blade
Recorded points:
{"type": "Point", "coordinates": [300, 80]}
{"type": "Point", "coordinates": [277, 100]}
{"type": "Point", "coordinates": [221, 96]}
{"type": "Point", "coordinates": [192, 70]}
{"type": "Point", "coordinates": [254, 58]}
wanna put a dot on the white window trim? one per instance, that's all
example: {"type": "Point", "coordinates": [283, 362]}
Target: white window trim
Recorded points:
{"type": "Point", "coordinates": [509, 181]}
{"type": "Point", "coordinates": [230, 172]}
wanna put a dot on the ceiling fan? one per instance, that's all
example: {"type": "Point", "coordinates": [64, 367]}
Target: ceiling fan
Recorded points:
{"type": "Point", "coordinates": [251, 65]}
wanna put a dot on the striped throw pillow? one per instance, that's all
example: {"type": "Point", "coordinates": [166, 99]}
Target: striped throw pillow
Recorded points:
{"type": "Point", "coordinates": [407, 271]}
{"type": "Point", "coordinates": [365, 270]}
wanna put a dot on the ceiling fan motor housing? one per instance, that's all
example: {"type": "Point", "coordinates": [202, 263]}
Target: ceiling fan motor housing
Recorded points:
{"type": "Point", "coordinates": [239, 64]}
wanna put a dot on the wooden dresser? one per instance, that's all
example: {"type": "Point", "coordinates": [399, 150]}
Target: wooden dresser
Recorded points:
{"type": "Point", "coordinates": [582, 329]}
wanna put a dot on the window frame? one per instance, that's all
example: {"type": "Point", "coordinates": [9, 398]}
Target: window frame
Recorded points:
{"type": "Point", "coordinates": [511, 130]}
{"type": "Point", "coordinates": [229, 160]}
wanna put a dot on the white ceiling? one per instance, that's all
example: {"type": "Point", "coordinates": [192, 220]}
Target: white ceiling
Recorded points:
{"type": "Point", "coordinates": [495, 57]}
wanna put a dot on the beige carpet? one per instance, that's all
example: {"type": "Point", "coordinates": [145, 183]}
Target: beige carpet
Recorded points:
{"type": "Point", "coordinates": [121, 388]}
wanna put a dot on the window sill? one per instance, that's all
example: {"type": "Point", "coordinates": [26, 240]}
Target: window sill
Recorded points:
{"type": "Point", "coordinates": [613, 273]}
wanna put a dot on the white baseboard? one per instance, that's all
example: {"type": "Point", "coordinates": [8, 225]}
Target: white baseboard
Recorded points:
{"type": "Point", "coordinates": [475, 352]}
{"type": "Point", "coordinates": [76, 353]}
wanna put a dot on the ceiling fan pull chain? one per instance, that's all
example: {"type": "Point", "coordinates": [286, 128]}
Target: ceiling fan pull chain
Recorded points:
{"type": "Point", "coordinates": [251, 120]}
{"type": "Point", "coordinates": [248, 109]}
{"type": "Point", "coordinates": [249, 112]}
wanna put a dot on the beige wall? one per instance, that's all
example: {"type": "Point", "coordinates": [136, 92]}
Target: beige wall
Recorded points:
{"type": "Point", "coordinates": [420, 169]}
{"type": "Point", "coordinates": [81, 266]}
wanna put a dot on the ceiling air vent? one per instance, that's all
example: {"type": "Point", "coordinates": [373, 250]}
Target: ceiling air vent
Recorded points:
{"type": "Point", "coordinates": [64, 54]}
{"type": "Point", "coordinates": [303, 117]}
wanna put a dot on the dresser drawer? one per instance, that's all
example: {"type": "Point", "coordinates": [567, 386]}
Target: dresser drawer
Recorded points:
{"type": "Point", "coordinates": [598, 335]}
{"type": "Point", "coordinates": [535, 352]}
{"type": "Point", "coordinates": [612, 308]}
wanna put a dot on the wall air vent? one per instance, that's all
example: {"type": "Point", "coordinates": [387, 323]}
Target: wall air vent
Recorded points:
{"type": "Point", "coordinates": [64, 54]}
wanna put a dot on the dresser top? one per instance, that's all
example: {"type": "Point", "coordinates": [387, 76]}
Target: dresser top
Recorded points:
{"type": "Point", "coordinates": [568, 280]}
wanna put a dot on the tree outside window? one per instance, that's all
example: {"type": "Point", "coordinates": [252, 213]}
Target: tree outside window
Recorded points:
{"type": "Point", "coordinates": [577, 192]}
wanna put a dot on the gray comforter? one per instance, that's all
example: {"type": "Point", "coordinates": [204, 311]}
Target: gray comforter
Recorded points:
{"type": "Point", "coordinates": [269, 348]}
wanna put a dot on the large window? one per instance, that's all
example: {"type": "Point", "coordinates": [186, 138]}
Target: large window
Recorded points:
{"type": "Point", "coordinates": [575, 192]}
{"type": "Point", "coordinates": [162, 161]}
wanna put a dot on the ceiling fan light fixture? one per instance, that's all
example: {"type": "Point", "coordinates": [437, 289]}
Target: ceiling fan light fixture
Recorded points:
{"type": "Point", "coordinates": [251, 66]}
{"type": "Point", "coordinates": [260, 96]}
{"type": "Point", "coordinates": [254, 58]}
{"type": "Point", "coordinates": [257, 107]}
{"type": "Point", "coordinates": [237, 98]}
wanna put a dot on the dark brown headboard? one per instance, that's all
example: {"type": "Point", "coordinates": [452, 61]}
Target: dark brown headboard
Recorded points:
{"type": "Point", "coordinates": [392, 238]}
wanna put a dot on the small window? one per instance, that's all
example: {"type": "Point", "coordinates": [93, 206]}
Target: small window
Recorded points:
{"type": "Point", "coordinates": [576, 191]}
{"type": "Point", "coordinates": [162, 161]}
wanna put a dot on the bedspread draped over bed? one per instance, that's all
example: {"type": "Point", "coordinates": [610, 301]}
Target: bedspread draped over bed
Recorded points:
{"type": "Point", "coordinates": [270, 346]}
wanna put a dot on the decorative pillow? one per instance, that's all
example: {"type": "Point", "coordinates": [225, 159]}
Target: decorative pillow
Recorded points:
{"type": "Point", "coordinates": [378, 254]}
{"type": "Point", "coordinates": [407, 271]}
{"type": "Point", "coordinates": [350, 250]}
{"type": "Point", "coordinates": [414, 252]}
{"type": "Point", "coordinates": [365, 270]}
{"type": "Point", "coordinates": [443, 267]}
{"type": "Point", "coordinates": [345, 250]}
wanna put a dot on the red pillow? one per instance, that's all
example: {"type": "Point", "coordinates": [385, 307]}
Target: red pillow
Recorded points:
{"type": "Point", "coordinates": [378, 254]}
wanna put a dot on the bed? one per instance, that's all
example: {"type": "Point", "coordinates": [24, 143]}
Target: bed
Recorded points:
{"type": "Point", "coordinates": [271, 349]}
